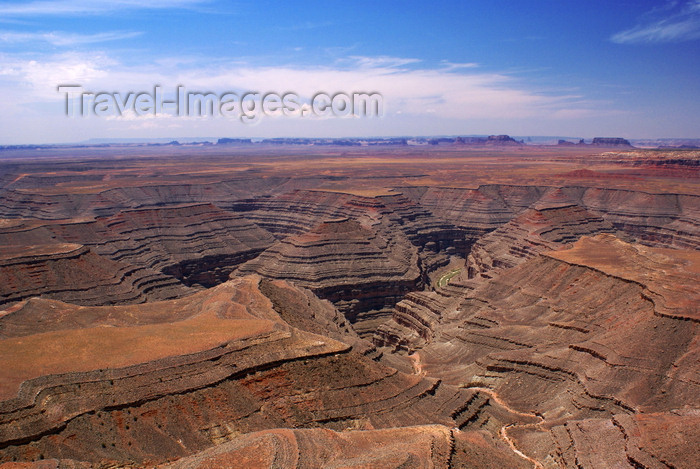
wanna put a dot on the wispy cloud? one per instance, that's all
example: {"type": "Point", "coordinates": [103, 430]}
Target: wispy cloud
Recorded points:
{"type": "Point", "coordinates": [89, 7]}
{"type": "Point", "coordinates": [58, 38]}
{"type": "Point", "coordinates": [676, 22]}
{"type": "Point", "coordinates": [457, 66]}
{"type": "Point", "coordinates": [36, 80]}
{"type": "Point", "coordinates": [418, 98]}
{"type": "Point", "coordinates": [306, 25]}
{"type": "Point", "coordinates": [382, 61]}
{"type": "Point", "coordinates": [448, 92]}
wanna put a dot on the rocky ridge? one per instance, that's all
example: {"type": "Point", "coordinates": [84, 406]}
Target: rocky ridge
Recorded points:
{"type": "Point", "coordinates": [532, 232]}
{"type": "Point", "coordinates": [129, 257]}
{"type": "Point", "coordinates": [598, 341]}
{"type": "Point", "coordinates": [671, 220]}
{"type": "Point", "coordinates": [355, 267]}
{"type": "Point", "coordinates": [420, 447]}
{"type": "Point", "coordinates": [76, 274]}
{"type": "Point", "coordinates": [143, 383]}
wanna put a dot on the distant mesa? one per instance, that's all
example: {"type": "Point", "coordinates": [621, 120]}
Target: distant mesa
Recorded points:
{"type": "Point", "coordinates": [679, 147]}
{"type": "Point", "coordinates": [476, 141]}
{"type": "Point", "coordinates": [389, 142]}
{"type": "Point", "coordinates": [598, 142]}
{"type": "Point", "coordinates": [370, 142]}
{"type": "Point", "coordinates": [611, 142]}
{"type": "Point", "coordinates": [233, 141]}
{"type": "Point", "coordinates": [669, 143]}
{"type": "Point", "coordinates": [566, 143]}
{"type": "Point", "coordinates": [502, 140]}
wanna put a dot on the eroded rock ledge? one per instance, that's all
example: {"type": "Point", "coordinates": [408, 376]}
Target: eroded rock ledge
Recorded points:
{"type": "Point", "coordinates": [76, 274]}
{"type": "Point", "coordinates": [143, 384]}
{"type": "Point", "coordinates": [361, 271]}
{"type": "Point", "coordinates": [417, 447]}
{"type": "Point", "coordinates": [602, 331]}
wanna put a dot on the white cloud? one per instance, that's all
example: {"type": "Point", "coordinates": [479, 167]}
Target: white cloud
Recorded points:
{"type": "Point", "coordinates": [130, 115]}
{"type": "Point", "coordinates": [63, 39]}
{"type": "Point", "coordinates": [378, 61]}
{"type": "Point", "coordinates": [456, 66]}
{"type": "Point", "coordinates": [679, 23]}
{"type": "Point", "coordinates": [90, 7]}
{"type": "Point", "coordinates": [36, 80]}
{"type": "Point", "coordinates": [450, 93]}
{"type": "Point", "coordinates": [412, 93]}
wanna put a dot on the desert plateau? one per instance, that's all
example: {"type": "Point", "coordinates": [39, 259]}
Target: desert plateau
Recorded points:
{"type": "Point", "coordinates": [330, 306]}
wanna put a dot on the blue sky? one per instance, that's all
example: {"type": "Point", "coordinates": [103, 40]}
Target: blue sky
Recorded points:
{"type": "Point", "coordinates": [580, 69]}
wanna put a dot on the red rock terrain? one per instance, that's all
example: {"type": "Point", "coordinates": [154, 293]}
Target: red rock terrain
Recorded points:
{"type": "Point", "coordinates": [426, 446]}
{"type": "Point", "coordinates": [127, 257]}
{"type": "Point", "coordinates": [577, 337]}
{"type": "Point", "coordinates": [350, 307]}
{"type": "Point", "coordinates": [358, 269]}
{"type": "Point", "coordinates": [75, 273]}
{"type": "Point", "coordinates": [146, 383]}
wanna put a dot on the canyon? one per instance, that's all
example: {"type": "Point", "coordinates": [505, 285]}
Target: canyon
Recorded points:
{"type": "Point", "coordinates": [346, 306]}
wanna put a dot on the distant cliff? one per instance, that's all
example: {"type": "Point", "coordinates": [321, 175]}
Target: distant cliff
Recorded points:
{"type": "Point", "coordinates": [610, 142]}
{"type": "Point", "coordinates": [599, 142]}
